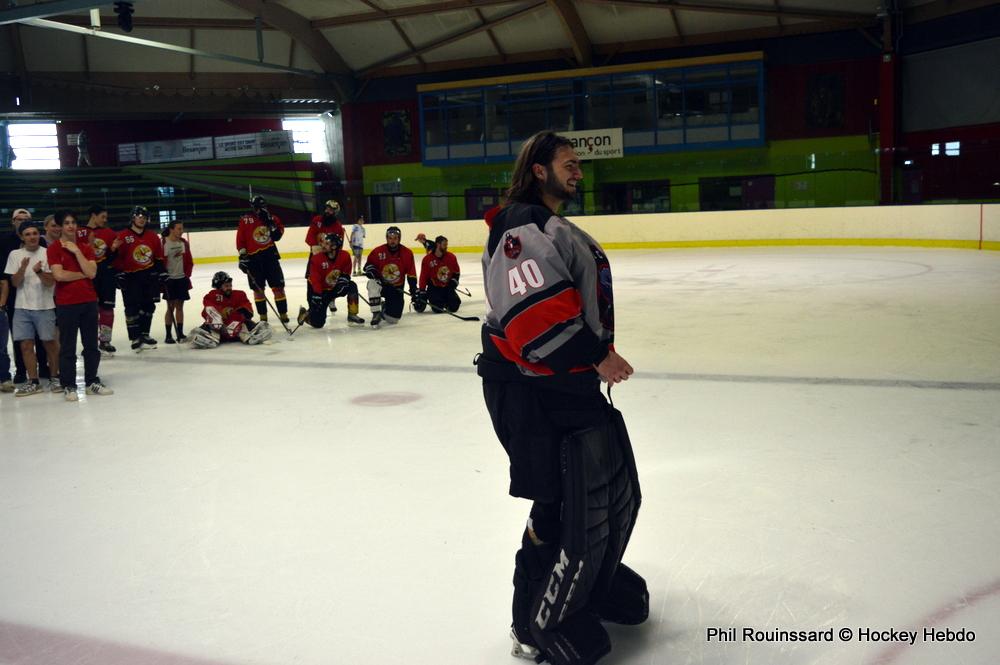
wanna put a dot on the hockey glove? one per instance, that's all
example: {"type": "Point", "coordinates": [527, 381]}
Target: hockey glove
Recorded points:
{"type": "Point", "coordinates": [371, 272]}
{"type": "Point", "coordinates": [244, 262]}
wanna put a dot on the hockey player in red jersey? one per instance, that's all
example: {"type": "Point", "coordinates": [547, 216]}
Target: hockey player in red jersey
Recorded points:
{"type": "Point", "coordinates": [256, 236]}
{"type": "Point", "coordinates": [323, 224]}
{"type": "Point", "coordinates": [101, 238]}
{"type": "Point", "coordinates": [389, 267]}
{"type": "Point", "coordinates": [228, 317]}
{"type": "Point", "coordinates": [548, 342]}
{"type": "Point", "coordinates": [139, 260]}
{"type": "Point", "coordinates": [329, 278]}
{"type": "Point", "coordinates": [439, 274]}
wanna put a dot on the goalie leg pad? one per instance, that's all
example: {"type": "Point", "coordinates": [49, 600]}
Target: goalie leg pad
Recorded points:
{"type": "Point", "coordinates": [584, 538]}
{"type": "Point", "coordinates": [200, 338]}
{"type": "Point", "coordinates": [260, 333]}
{"type": "Point", "coordinates": [626, 602]}
{"type": "Point", "coordinates": [579, 640]}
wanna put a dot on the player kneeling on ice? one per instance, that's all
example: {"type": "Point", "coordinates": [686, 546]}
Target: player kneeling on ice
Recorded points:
{"type": "Point", "coordinates": [388, 268]}
{"type": "Point", "coordinates": [329, 278]}
{"type": "Point", "coordinates": [438, 280]}
{"type": "Point", "coordinates": [228, 317]}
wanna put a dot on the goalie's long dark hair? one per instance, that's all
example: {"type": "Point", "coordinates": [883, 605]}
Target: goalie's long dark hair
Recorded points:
{"type": "Point", "coordinates": [539, 149]}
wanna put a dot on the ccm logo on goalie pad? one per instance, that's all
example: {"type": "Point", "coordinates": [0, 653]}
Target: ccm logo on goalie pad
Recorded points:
{"type": "Point", "coordinates": [523, 275]}
{"type": "Point", "coordinates": [552, 590]}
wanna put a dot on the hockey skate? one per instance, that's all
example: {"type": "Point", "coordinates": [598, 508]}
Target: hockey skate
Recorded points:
{"type": "Point", "coordinates": [283, 317]}
{"type": "Point", "coordinates": [147, 341]}
{"type": "Point", "coordinates": [333, 307]}
{"type": "Point", "coordinates": [106, 349]}
{"type": "Point", "coordinates": [523, 650]}
{"type": "Point", "coordinates": [354, 318]}
{"type": "Point", "coordinates": [303, 315]}
{"type": "Point", "coordinates": [376, 319]}
{"type": "Point", "coordinates": [137, 345]}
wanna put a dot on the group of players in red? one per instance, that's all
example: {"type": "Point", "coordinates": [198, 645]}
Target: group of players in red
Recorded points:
{"type": "Point", "coordinates": [134, 261]}
{"type": "Point", "coordinates": [390, 269]}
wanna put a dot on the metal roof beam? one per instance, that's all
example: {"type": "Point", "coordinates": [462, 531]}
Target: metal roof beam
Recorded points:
{"type": "Point", "coordinates": [462, 34]}
{"type": "Point", "coordinates": [164, 46]}
{"type": "Point", "coordinates": [851, 18]}
{"type": "Point", "coordinates": [575, 31]}
{"type": "Point", "coordinates": [43, 9]}
{"type": "Point", "coordinates": [404, 12]}
{"type": "Point", "coordinates": [298, 28]}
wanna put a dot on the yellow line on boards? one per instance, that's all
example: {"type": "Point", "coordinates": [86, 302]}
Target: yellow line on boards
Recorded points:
{"type": "Point", "coordinates": [681, 244]}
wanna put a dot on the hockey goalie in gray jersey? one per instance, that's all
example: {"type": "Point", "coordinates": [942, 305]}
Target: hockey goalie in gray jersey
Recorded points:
{"type": "Point", "coordinates": [548, 342]}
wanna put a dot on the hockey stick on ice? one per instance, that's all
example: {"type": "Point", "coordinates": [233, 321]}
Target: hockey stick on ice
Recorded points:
{"type": "Point", "coordinates": [463, 318]}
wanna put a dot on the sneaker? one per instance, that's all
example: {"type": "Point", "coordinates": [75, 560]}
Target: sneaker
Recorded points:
{"type": "Point", "coordinates": [147, 342]}
{"type": "Point", "coordinates": [303, 315]}
{"type": "Point", "coordinates": [53, 386]}
{"type": "Point", "coordinates": [354, 318]}
{"type": "Point", "coordinates": [20, 378]}
{"type": "Point", "coordinates": [30, 388]}
{"type": "Point", "coordinates": [106, 348]}
{"type": "Point", "coordinates": [7, 386]}
{"type": "Point", "coordinates": [169, 340]}
{"type": "Point", "coordinates": [98, 388]}
{"type": "Point", "coordinates": [69, 394]}
{"type": "Point", "coordinates": [376, 319]}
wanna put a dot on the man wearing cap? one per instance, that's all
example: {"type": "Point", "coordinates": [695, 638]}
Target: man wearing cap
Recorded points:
{"type": "Point", "coordinates": [8, 243]}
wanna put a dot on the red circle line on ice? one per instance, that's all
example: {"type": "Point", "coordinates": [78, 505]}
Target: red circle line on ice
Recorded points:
{"type": "Point", "coordinates": [946, 611]}
{"type": "Point", "coordinates": [385, 399]}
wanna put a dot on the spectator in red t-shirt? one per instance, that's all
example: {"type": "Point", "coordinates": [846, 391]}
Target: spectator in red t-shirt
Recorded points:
{"type": "Point", "coordinates": [73, 267]}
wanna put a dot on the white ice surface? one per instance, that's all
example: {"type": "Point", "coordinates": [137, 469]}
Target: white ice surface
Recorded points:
{"type": "Point", "coordinates": [817, 433]}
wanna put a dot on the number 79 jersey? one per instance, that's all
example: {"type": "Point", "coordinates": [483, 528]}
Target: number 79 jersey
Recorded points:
{"type": "Point", "coordinates": [548, 290]}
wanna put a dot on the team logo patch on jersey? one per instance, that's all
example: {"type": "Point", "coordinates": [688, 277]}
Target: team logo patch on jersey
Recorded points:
{"type": "Point", "coordinates": [443, 273]}
{"type": "Point", "coordinates": [142, 255]}
{"type": "Point", "coordinates": [512, 246]}
{"type": "Point", "coordinates": [332, 278]}
{"type": "Point", "coordinates": [390, 273]}
{"type": "Point", "coordinates": [99, 246]}
{"type": "Point", "coordinates": [261, 235]}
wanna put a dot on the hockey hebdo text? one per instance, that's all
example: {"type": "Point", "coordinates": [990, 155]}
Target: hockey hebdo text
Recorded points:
{"type": "Point", "coordinates": [855, 634]}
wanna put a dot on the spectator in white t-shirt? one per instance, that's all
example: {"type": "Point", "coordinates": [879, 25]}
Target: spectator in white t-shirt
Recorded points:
{"type": "Point", "coordinates": [34, 308]}
{"type": "Point", "coordinates": [358, 243]}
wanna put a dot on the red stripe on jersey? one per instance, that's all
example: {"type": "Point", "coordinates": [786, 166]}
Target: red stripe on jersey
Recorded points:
{"type": "Point", "coordinates": [508, 352]}
{"type": "Point", "coordinates": [541, 316]}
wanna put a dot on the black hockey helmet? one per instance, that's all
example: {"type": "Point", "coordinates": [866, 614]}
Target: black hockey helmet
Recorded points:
{"type": "Point", "coordinates": [334, 239]}
{"type": "Point", "coordinates": [140, 211]}
{"type": "Point", "coordinates": [220, 278]}
{"type": "Point", "coordinates": [391, 230]}
{"type": "Point", "coordinates": [258, 202]}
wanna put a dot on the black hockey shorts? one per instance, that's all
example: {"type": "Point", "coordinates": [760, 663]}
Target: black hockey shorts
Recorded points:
{"type": "Point", "coordinates": [318, 303]}
{"type": "Point", "coordinates": [266, 271]}
{"type": "Point", "coordinates": [443, 298]}
{"type": "Point", "coordinates": [531, 422]}
{"type": "Point", "coordinates": [140, 292]}
{"type": "Point", "coordinates": [106, 286]}
{"type": "Point", "coordinates": [392, 301]}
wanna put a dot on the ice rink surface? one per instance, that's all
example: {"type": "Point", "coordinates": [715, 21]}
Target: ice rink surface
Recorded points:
{"type": "Point", "coordinates": [817, 433]}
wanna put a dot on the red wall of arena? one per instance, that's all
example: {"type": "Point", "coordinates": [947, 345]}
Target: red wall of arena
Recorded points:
{"type": "Point", "coordinates": [970, 174]}
{"type": "Point", "coordinates": [788, 95]}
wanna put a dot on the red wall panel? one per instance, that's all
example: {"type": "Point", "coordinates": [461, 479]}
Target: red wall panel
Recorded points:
{"type": "Point", "coordinates": [792, 88]}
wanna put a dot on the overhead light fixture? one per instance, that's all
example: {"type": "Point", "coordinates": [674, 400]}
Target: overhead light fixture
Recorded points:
{"type": "Point", "coordinates": [124, 11]}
